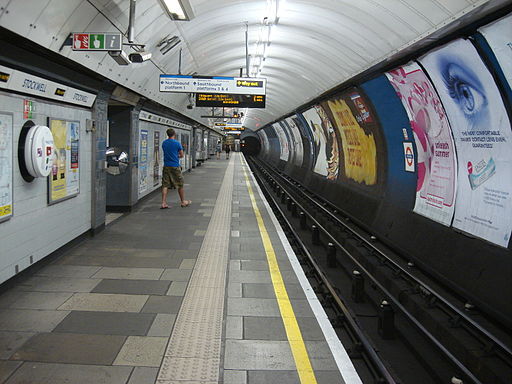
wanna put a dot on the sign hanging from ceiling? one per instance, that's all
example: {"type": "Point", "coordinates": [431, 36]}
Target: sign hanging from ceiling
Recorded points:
{"type": "Point", "coordinates": [212, 84]}
{"type": "Point", "coordinates": [97, 42]}
{"type": "Point", "coordinates": [225, 100]}
{"type": "Point", "coordinates": [229, 126]}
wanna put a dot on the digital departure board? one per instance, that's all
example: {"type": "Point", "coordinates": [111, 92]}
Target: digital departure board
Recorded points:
{"type": "Point", "coordinates": [225, 100]}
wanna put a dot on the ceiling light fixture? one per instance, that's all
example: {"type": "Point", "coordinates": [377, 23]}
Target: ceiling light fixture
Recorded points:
{"type": "Point", "coordinates": [178, 10]}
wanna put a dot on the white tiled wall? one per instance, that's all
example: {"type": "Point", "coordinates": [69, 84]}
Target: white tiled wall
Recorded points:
{"type": "Point", "coordinates": [36, 228]}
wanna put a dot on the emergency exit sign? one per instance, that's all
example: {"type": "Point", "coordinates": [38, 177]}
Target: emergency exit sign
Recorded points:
{"type": "Point", "coordinates": [97, 41]}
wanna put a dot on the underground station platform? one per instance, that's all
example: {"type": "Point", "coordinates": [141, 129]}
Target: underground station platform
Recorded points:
{"type": "Point", "coordinates": [210, 293]}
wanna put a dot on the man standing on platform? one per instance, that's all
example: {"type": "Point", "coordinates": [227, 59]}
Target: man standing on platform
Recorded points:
{"type": "Point", "coordinates": [172, 176]}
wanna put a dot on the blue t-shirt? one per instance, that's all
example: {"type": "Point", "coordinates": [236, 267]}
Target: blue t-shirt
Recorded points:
{"type": "Point", "coordinates": [171, 149]}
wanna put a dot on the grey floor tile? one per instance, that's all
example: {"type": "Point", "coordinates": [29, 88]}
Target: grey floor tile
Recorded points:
{"type": "Point", "coordinates": [177, 288]}
{"type": "Point", "coordinates": [187, 264]}
{"type": "Point", "coordinates": [106, 323]}
{"type": "Point", "coordinates": [174, 274]}
{"type": "Point", "coordinates": [105, 302]}
{"type": "Point", "coordinates": [11, 341]}
{"type": "Point", "coordinates": [129, 273]}
{"type": "Point", "coordinates": [234, 327]}
{"type": "Point", "coordinates": [253, 255]}
{"type": "Point", "coordinates": [62, 284]}
{"type": "Point", "coordinates": [264, 328]}
{"type": "Point", "coordinates": [320, 355]}
{"type": "Point", "coordinates": [186, 253]}
{"type": "Point", "coordinates": [328, 377]}
{"type": "Point", "coordinates": [142, 351]}
{"type": "Point", "coordinates": [40, 300]}
{"type": "Point", "coordinates": [68, 271]}
{"type": "Point", "coordinates": [252, 307]}
{"type": "Point", "coordinates": [234, 290]}
{"type": "Point", "coordinates": [261, 277]}
{"type": "Point", "coordinates": [7, 368]}
{"type": "Point", "coordinates": [143, 375]}
{"type": "Point", "coordinates": [235, 377]}
{"type": "Point", "coordinates": [69, 373]}
{"type": "Point", "coordinates": [70, 348]}
{"type": "Point", "coordinates": [132, 287]}
{"type": "Point", "coordinates": [162, 304]}
{"type": "Point", "coordinates": [255, 265]}
{"type": "Point", "coordinates": [281, 377]}
{"type": "Point", "coordinates": [28, 320]}
{"type": "Point", "coordinates": [301, 308]}
{"type": "Point", "coordinates": [258, 355]}
{"type": "Point", "coordinates": [162, 325]}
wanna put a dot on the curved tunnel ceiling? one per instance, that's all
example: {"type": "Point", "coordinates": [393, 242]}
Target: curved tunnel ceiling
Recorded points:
{"type": "Point", "coordinates": [310, 45]}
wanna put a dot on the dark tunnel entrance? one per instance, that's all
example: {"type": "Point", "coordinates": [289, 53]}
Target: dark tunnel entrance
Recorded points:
{"type": "Point", "coordinates": [250, 146]}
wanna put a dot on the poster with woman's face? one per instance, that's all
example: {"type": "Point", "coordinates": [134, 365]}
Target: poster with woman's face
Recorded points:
{"type": "Point", "coordinates": [436, 160]}
{"type": "Point", "coordinates": [482, 134]}
{"type": "Point", "coordinates": [325, 144]}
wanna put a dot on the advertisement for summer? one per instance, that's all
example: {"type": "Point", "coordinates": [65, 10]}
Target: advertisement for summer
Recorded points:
{"type": "Point", "coordinates": [482, 134]}
{"type": "Point", "coordinates": [294, 134]}
{"type": "Point", "coordinates": [143, 161]}
{"type": "Point", "coordinates": [499, 37]}
{"type": "Point", "coordinates": [436, 158]}
{"type": "Point", "coordinates": [283, 142]}
{"type": "Point", "coordinates": [64, 180]}
{"type": "Point", "coordinates": [5, 166]}
{"type": "Point", "coordinates": [325, 146]}
{"type": "Point", "coordinates": [359, 135]}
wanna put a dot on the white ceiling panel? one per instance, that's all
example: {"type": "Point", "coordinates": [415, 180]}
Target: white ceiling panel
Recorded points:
{"type": "Point", "coordinates": [314, 45]}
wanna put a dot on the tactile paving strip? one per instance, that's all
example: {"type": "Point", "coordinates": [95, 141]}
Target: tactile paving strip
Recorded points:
{"type": "Point", "coordinates": [193, 352]}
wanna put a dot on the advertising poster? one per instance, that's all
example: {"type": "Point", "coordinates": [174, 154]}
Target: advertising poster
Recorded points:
{"type": "Point", "coordinates": [499, 38]}
{"type": "Point", "coordinates": [283, 142]}
{"type": "Point", "coordinates": [156, 158]}
{"type": "Point", "coordinates": [264, 141]}
{"type": "Point", "coordinates": [143, 161]}
{"type": "Point", "coordinates": [5, 166]}
{"type": "Point", "coordinates": [325, 145]}
{"type": "Point", "coordinates": [482, 134]}
{"type": "Point", "coordinates": [294, 133]}
{"type": "Point", "coordinates": [359, 135]}
{"type": "Point", "coordinates": [436, 158]}
{"type": "Point", "coordinates": [64, 181]}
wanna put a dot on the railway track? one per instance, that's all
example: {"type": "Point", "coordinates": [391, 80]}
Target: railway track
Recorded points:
{"type": "Point", "coordinates": [402, 325]}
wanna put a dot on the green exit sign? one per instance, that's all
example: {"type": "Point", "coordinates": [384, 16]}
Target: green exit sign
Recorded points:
{"type": "Point", "coordinates": [97, 41]}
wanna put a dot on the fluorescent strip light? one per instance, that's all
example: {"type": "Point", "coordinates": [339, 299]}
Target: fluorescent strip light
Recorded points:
{"type": "Point", "coordinates": [179, 10]}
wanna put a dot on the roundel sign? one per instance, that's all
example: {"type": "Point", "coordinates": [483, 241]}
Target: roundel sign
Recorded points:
{"type": "Point", "coordinates": [409, 157]}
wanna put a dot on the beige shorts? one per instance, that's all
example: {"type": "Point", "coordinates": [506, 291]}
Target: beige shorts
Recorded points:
{"type": "Point", "coordinates": [172, 177]}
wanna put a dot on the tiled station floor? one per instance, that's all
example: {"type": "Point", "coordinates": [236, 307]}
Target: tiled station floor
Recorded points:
{"type": "Point", "coordinates": [182, 295]}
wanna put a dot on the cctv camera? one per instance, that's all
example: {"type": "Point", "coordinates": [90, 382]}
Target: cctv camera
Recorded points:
{"type": "Point", "coordinates": [120, 57]}
{"type": "Point", "coordinates": [139, 57]}
{"type": "Point", "coordinates": [190, 106]}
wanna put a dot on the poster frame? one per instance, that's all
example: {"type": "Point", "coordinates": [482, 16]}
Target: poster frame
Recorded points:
{"type": "Point", "coordinates": [8, 217]}
{"type": "Point", "coordinates": [67, 197]}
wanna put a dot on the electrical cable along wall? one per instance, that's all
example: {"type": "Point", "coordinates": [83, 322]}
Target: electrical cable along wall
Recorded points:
{"type": "Point", "coordinates": [422, 156]}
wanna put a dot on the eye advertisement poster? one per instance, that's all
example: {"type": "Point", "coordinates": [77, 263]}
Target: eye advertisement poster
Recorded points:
{"type": "Point", "coordinates": [483, 138]}
{"type": "Point", "coordinates": [283, 142]}
{"type": "Point", "coordinates": [64, 180]}
{"type": "Point", "coordinates": [499, 36]}
{"type": "Point", "coordinates": [436, 158]}
{"type": "Point", "coordinates": [325, 145]}
{"type": "Point", "coordinates": [143, 161]}
{"type": "Point", "coordinates": [359, 135]}
{"type": "Point", "coordinates": [5, 166]}
{"type": "Point", "coordinates": [294, 133]}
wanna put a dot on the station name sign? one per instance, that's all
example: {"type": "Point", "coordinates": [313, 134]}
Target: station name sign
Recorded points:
{"type": "Point", "coordinates": [212, 84]}
{"type": "Point", "coordinates": [97, 41]}
{"type": "Point", "coordinates": [225, 100]}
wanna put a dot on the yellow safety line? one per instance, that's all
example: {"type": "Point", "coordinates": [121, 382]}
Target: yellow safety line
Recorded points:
{"type": "Point", "coordinates": [300, 354]}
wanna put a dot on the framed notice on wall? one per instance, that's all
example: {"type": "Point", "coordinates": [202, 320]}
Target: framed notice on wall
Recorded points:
{"type": "Point", "coordinates": [5, 166]}
{"type": "Point", "coordinates": [64, 180]}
